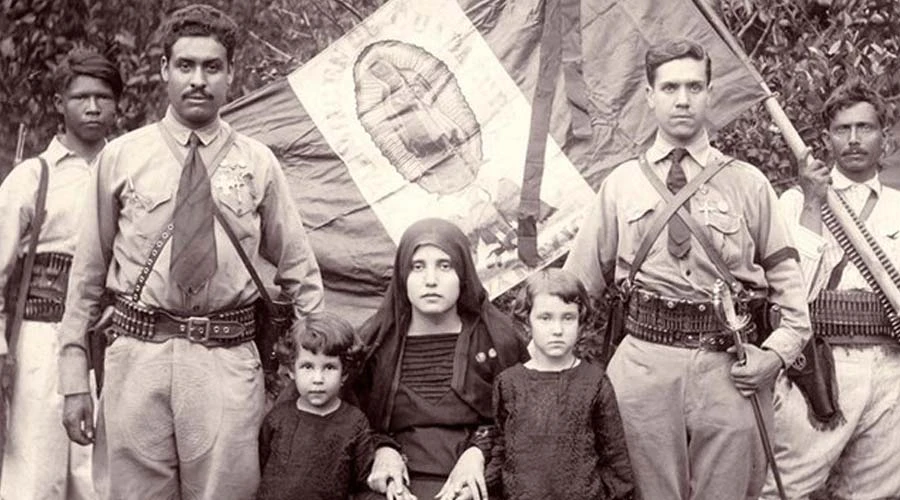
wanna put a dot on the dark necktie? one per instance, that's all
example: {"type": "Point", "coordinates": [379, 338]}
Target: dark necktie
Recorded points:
{"type": "Point", "coordinates": [193, 240]}
{"type": "Point", "coordinates": [679, 234]}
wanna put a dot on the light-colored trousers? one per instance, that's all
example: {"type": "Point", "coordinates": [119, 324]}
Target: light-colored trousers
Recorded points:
{"type": "Point", "coordinates": [40, 463]}
{"type": "Point", "coordinates": [863, 453]}
{"type": "Point", "coordinates": [179, 421]}
{"type": "Point", "coordinates": [690, 433]}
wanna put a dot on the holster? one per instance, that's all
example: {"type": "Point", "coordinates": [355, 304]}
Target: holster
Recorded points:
{"type": "Point", "coordinates": [98, 337]}
{"type": "Point", "coordinates": [617, 301]}
{"type": "Point", "coordinates": [813, 374]}
{"type": "Point", "coordinates": [765, 315]}
{"type": "Point", "coordinates": [272, 323]}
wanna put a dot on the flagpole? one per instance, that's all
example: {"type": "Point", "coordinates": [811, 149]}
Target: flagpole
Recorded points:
{"type": "Point", "coordinates": [801, 152]}
{"type": "Point", "coordinates": [793, 139]}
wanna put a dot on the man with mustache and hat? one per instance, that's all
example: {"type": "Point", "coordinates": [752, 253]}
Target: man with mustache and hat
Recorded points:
{"type": "Point", "coordinates": [183, 396]}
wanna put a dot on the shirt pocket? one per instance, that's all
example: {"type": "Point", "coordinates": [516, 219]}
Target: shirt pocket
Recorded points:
{"type": "Point", "coordinates": [149, 211]}
{"type": "Point", "coordinates": [237, 190]}
{"type": "Point", "coordinates": [726, 231]}
{"type": "Point", "coordinates": [638, 219]}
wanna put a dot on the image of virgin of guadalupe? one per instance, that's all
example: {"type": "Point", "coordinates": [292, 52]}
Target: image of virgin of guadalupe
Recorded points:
{"type": "Point", "coordinates": [411, 105]}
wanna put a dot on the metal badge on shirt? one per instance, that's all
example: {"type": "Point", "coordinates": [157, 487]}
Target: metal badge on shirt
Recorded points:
{"type": "Point", "coordinates": [236, 186]}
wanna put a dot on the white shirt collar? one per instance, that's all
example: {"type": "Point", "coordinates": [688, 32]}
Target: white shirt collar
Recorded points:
{"type": "Point", "coordinates": [841, 182]}
{"type": "Point", "coordinates": [182, 133]}
{"type": "Point", "coordinates": [699, 149]}
{"type": "Point", "coordinates": [56, 151]}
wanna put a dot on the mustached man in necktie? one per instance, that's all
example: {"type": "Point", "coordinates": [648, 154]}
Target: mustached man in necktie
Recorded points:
{"type": "Point", "coordinates": [183, 396]}
{"type": "Point", "coordinates": [689, 426]}
{"type": "Point", "coordinates": [862, 449]}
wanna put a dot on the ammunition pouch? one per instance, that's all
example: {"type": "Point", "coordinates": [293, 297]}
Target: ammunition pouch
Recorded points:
{"type": "Point", "coordinates": [46, 298]}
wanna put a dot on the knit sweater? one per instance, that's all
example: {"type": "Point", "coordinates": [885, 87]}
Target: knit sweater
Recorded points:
{"type": "Point", "coordinates": [559, 436]}
{"type": "Point", "coordinates": [314, 457]}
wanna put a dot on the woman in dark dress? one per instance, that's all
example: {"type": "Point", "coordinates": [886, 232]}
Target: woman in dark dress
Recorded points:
{"type": "Point", "coordinates": [434, 348]}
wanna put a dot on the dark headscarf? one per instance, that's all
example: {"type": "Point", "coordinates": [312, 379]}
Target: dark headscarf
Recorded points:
{"type": "Point", "coordinates": [484, 327]}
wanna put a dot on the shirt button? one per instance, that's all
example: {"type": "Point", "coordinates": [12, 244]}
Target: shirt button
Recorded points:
{"type": "Point", "coordinates": [195, 308]}
{"type": "Point", "coordinates": [687, 272]}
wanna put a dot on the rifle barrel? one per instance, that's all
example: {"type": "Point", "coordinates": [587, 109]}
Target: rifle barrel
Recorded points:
{"type": "Point", "coordinates": [20, 145]}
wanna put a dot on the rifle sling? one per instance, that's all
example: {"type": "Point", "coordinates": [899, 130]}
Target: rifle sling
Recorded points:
{"type": "Point", "coordinates": [550, 58]}
{"type": "Point", "coordinates": [263, 293]}
{"type": "Point", "coordinates": [675, 208]}
{"type": "Point", "coordinates": [40, 213]}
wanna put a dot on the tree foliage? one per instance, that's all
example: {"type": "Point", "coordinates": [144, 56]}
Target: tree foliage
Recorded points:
{"type": "Point", "coordinates": [803, 51]}
{"type": "Point", "coordinates": [277, 36]}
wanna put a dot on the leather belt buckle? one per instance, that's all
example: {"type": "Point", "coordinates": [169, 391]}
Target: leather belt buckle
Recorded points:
{"type": "Point", "coordinates": [200, 323]}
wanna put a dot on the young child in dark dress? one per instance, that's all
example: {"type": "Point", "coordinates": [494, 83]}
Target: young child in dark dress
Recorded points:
{"type": "Point", "coordinates": [559, 430]}
{"type": "Point", "coordinates": [316, 446]}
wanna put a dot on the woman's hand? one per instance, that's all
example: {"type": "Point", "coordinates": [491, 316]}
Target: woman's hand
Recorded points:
{"type": "Point", "coordinates": [466, 480]}
{"type": "Point", "coordinates": [389, 475]}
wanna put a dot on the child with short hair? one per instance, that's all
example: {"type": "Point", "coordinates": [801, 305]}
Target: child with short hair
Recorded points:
{"type": "Point", "coordinates": [559, 430]}
{"type": "Point", "coordinates": [316, 446]}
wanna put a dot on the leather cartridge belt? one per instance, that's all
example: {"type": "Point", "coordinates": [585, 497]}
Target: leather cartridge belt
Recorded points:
{"type": "Point", "coordinates": [224, 328]}
{"type": "Point", "coordinates": [46, 297]}
{"type": "Point", "coordinates": [680, 322]}
{"type": "Point", "coordinates": [850, 317]}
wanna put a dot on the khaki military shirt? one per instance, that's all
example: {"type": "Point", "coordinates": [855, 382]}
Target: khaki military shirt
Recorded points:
{"type": "Point", "coordinates": [738, 209]}
{"type": "Point", "coordinates": [132, 198]}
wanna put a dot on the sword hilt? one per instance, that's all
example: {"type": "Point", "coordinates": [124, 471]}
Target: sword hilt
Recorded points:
{"type": "Point", "coordinates": [723, 304]}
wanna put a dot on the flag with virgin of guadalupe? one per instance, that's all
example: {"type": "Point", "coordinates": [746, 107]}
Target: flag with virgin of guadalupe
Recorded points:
{"type": "Point", "coordinates": [424, 110]}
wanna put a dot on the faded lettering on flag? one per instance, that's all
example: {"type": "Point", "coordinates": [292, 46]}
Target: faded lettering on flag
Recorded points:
{"type": "Point", "coordinates": [430, 124]}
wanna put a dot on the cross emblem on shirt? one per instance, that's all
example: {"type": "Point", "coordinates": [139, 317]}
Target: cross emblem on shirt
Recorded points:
{"type": "Point", "coordinates": [705, 209]}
